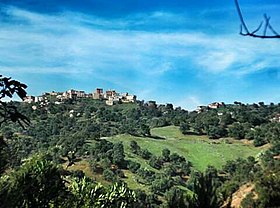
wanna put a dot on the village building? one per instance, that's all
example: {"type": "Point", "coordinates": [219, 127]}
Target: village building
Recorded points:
{"type": "Point", "coordinates": [81, 94]}
{"type": "Point", "coordinates": [110, 93]}
{"type": "Point", "coordinates": [74, 94]}
{"type": "Point", "coordinates": [38, 99]}
{"type": "Point", "coordinates": [201, 108]}
{"type": "Point", "coordinates": [60, 97]}
{"type": "Point", "coordinates": [29, 99]}
{"type": "Point", "coordinates": [90, 95]}
{"type": "Point", "coordinates": [53, 93]}
{"type": "Point", "coordinates": [113, 100]}
{"type": "Point", "coordinates": [98, 94]}
{"type": "Point", "coordinates": [216, 105]}
{"type": "Point", "coordinates": [126, 98]}
{"type": "Point", "coordinates": [276, 118]}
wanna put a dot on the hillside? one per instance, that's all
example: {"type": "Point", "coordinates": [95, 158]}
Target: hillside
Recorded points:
{"type": "Point", "coordinates": [199, 150]}
{"type": "Point", "coordinates": [157, 150]}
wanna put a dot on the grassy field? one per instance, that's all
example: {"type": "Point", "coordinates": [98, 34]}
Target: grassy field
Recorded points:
{"type": "Point", "coordinates": [84, 166]}
{"type": "Point", "coordinates": [198, 149]}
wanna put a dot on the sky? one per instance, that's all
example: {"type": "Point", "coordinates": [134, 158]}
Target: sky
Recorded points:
{"type": "Point", "coordinates": [188, 53]}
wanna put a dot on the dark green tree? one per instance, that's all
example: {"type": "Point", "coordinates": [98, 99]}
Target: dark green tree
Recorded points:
{"type": "Point", "coordinates": [109, 175]}
{"type": "Point", "coordinates": [155, 162]}
{"type": "Point", "coordinates": [166, 154]}
{"type": "Point", "coordinates": [216, 132]}
{"type": "Point", "coordinates": [184, 128]}
{"type": "Point", "coordinates": [177, 198]}
{"type": "Point", "coordinates": [133, 166]}
{"type": "Point", "coordinates": [205, 187]}
{"type": "Point", "coordinates": [135, 148]}
{"type": "Point", "coordinates": [236, 131]}
{"type": "Point", "coordinates": [37, 183]}
{"type": "Point", "coordinates": [268, 189]}
{"type": "Point", "coordinates": [118, 154]}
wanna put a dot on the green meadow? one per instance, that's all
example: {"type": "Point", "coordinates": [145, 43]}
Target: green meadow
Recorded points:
{"type": "Point", "coordinates": [199, 150]}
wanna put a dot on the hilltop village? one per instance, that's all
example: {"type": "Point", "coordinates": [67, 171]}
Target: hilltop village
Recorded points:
{"type": "Point", "coordinates": [111, 97]}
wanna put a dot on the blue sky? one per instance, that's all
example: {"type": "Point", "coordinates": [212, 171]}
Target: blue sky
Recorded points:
{"type": "Point", "coordinates": [183, 52]}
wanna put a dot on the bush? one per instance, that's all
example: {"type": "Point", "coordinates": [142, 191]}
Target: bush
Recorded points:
{"type": "Point", "coordinates": [109, 175]}
{"type": "Point", "coordinates": [161, 185]}
{"type": "Point", "coordinates": [145, 154]}
{"type": "Point", "coordinates": [155, 162]}
{"type": "Point", "coordinates": [236, 131]}
{"type": "Point", "coordinates": [146, 174]}
{"type": "Point", "coordinates": [184, 128]}
{"type": "Point", "coordinates": [133, 166]}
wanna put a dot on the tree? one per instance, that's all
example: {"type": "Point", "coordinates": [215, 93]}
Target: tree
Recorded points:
{"type": "Point", "coordinates": [133, 166]}
{"type": "Point", "coordinates": [94, 165]}
{"type": "Point", "coordinates": [155, 162]}
{"type": "Point", "coordinates": [244, 30]}
{"type": "Point", "coordinates": [259, 141]}
{"type": "Point", "coordinates": [226, 119]}
{"type": "Point", "coordinates": [86, 193]}
{"type": "Point", "coordinates": [205, 188]}
{"type": "Point", "coordinates": [216, 132]}
{"type": "Point", "coordinates": [144, 130]}
{"type": "Point", "coordinates": [118, 154]}
{"type": "Point", "coordinates": [166, 154]}
{"type": "Point", "coordinates": [236, 131]}
{"type": "Point", "coordinates": [36, 184]}
{"type": "Point", "coordinates": [198, 126]}
{"type": "Point", "coordinates": [144, 200]}
{"type": "Point", "coordinates": [268, 189]}
{"type": "Point", "coordinates": [109, 175]}
{"type": "Point", "coordinates": [176, 198]}
{"type": "Point", "coordinates": [184, 128]}
{"type": "Point", "coordinates": [135, 148]}
{"type": "Point", "coordinates": [145, 154]}
{"type": "Point", "coordinates": [174, 157]}
{"type": "Point", "coordinates": [160, 185]}
{"type": "Point", "coordinates": [8, 112]}
{"type": "Point", "coordinates": [146, 174]}
{"type": "Point", "coordinates": [7, 133]}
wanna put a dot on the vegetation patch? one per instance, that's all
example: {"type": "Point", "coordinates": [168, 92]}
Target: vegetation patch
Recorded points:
{"type": "Point", "coordinates": [199, 150]}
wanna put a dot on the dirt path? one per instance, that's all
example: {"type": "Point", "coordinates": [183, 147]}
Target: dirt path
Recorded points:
{"type": "Point", "coordinates": [240, 194]}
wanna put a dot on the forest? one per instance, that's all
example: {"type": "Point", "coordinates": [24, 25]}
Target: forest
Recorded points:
{"type": "Point", "coordinates": [43, 144]}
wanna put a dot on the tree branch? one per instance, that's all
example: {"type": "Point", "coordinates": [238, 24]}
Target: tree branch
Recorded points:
{"type": "Point", "coordinates": [8, 112]}
{"type": "Point", "coordinates": [244, 30]}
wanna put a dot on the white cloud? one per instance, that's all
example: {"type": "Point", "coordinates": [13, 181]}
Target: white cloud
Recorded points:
{"type": "Point", "coordinates": [189, 102]}
{"type": "Point", "coordinates": [217, 61]}
{"type": "Point", "coordinates": [76, 43]}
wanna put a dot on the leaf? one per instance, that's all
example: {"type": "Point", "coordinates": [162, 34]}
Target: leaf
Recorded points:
{"type": "Point", "coordinates": [8, 94]}
{"type": "Point", "coordinates": [21, 93]}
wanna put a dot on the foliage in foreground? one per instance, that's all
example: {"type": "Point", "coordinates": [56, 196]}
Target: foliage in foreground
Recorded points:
{"type": "Point", "coordinates": [40, 183]}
